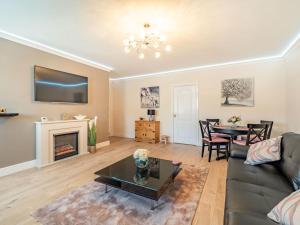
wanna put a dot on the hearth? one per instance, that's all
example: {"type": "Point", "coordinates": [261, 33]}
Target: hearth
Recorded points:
{"type": "Point", "coordinates": [65, 145]}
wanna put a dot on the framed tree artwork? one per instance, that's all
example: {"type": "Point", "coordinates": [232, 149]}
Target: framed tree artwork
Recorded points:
{"type": "Point", "coordinates": [150, 97]}
{"type": "Point", "coordinates": [237, 92]}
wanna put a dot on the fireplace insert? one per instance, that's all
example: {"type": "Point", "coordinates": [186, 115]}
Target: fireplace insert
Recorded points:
{"type": "Point", "coordinates": [65, 145]}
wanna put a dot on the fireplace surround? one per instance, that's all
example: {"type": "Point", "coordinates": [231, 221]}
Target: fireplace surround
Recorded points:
{"type": "Point", "coordinates": [56, 140]}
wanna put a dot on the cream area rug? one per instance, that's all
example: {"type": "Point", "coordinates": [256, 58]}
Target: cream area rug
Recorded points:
{"type": "Point", "coordinates": [90, 205]}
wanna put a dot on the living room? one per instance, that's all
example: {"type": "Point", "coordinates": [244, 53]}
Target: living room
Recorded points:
{"type": "Point", "coordinates": [149, 112]}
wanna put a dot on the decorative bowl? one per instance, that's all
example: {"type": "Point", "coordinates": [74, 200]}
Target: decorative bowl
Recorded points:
{"type": "Point", "coordinates": [80, 117]}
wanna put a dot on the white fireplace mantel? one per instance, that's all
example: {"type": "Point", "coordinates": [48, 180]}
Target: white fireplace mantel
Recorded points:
{"type": "Point", "coordinates": [45, 132]}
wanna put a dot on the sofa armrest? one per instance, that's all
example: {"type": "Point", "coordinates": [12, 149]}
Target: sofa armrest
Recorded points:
{"type": "Point", "coordinates": [239, 151]}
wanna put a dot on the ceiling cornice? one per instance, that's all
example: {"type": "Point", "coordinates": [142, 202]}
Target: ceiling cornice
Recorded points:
{"type": "Point", "coordinates": [49, 49]}
{"type": "Point", "coordinates": [45, 48]}
{"type": "Point", "coordinates": [280, 55]}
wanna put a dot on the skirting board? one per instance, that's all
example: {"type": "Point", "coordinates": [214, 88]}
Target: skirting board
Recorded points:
{"type": "Point", "coordinates": [17, 167]}
{"type": "Point", "coordinates": [102, 144]}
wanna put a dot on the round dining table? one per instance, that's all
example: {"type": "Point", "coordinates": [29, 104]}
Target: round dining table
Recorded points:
{"type": "Point", "coordinates": [230, 130]}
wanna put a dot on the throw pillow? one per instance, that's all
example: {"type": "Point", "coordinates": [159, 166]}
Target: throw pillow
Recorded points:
{"type": "Point", "coordinates": [264, 151]}
{"type": "Point", "coordinates": [287, 211]}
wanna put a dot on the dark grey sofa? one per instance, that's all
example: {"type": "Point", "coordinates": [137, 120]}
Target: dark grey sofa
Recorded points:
{"type": "Point", "coordinates": [252, 191]}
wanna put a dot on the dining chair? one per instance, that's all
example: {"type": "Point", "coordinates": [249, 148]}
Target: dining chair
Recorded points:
{"type": "Point", "coordinates": [269, 132]}
{"type": "Point", "coordinates": [270, 127]}
{"type": "Point", "coordinates": [256, 133]}
{"type": "Point", "coordinates": [216, 122]}
{"type": "Point", "coordinates": [213, 143]}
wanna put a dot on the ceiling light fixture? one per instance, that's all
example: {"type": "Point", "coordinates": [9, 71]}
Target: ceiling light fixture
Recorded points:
{"type": "Point", "coordinates": [147, 39]}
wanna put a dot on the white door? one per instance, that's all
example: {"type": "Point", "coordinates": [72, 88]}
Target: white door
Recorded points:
{"type": "Point", "coordinates": [185, 114]}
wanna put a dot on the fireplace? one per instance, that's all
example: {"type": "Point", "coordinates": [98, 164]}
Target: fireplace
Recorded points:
{"type": "Point", "coordinates": [65, 145]}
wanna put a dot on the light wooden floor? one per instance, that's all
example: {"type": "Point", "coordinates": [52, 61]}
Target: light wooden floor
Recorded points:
{"type": "Point", "coordinates": [22, 193]}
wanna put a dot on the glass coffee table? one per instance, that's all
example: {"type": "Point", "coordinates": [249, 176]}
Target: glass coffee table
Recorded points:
{"type": "Point", "coordinates": [150, 182]}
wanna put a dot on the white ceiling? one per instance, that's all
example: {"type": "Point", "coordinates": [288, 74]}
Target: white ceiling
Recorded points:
{"type": "Point", "coordinates": [201, 31]}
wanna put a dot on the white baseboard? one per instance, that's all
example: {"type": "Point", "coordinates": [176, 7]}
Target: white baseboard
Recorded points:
{"type": "Point", "coordinates": [102, 144]}
{"type": "Point", "coordinates": [17, 167]}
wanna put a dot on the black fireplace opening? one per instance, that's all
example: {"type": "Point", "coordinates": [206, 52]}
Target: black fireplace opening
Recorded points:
{"type": "Point", "coordinates": [65, 145]}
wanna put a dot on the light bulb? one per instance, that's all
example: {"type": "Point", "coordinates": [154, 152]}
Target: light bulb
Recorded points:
{"type": "Point", "coordinates": [141, 56]}
{"type": "Point", "coordinates": [168, 48]}
{"type": "Point", "coordinates": [163, 38]}
{"type": "Point", "coordinates": [133, 44]}
{"type": "Point", "coordinates": [157, 54]}
{"type": "Point", "coordinates": [142, 35]}
{"type": "Point", "coordinates": [127, 50]}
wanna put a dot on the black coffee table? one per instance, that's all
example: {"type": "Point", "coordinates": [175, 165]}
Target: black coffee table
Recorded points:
{"type": "Point", "coordinates": [150, 182]}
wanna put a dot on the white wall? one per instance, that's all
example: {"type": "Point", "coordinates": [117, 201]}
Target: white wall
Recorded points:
{"type": "Point", "coordinates": [292, 63]}
{"type": "Point", "coordinates": [270, 96]}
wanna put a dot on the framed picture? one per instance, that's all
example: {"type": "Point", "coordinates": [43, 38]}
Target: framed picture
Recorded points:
{"type": "Point", "coordinates": [237, 92]}
{"type": "Point", "coordinates": [150, 97]}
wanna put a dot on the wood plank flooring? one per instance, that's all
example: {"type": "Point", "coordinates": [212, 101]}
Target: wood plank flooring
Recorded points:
{"type": "Point", "coordinates": [22, 193]}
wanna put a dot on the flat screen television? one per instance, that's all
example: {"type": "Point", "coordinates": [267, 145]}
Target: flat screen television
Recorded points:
{"type": "Point", "coordinates": [57, 86]}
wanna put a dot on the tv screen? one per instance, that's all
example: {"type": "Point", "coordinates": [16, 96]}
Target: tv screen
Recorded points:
{"type": "Point", "coordinates": [57, 86]}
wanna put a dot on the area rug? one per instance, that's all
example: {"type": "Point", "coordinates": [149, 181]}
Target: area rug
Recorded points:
{"type": "Point", "coordinates": [90, 205]}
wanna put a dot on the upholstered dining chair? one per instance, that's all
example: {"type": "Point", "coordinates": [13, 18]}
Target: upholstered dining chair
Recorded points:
{"type": "Point", "coordinates": [216, 122]}
{"type": "Point", "coordinates": [213, 143]}
{"type": "Point", "coordinates": [270, 127]}
{"type": "Point", "coordinates": [256, 133]}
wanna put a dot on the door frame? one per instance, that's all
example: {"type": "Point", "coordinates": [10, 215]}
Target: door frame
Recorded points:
{"type": "Point", "coordinates": [197, 108]}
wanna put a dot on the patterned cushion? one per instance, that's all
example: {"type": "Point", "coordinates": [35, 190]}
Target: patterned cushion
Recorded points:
{"type": "Point", "coordinates": [264, 151]}
{"type": "Point", "coordinates": [220, 135]}
{"type": "Point", "coordinates": [216, 140]}
{"type": "Point", "coordinates": [287, 211]}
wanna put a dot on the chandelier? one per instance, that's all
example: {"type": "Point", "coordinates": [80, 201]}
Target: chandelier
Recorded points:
{"type": "Point", "coordinates": [146, 40]}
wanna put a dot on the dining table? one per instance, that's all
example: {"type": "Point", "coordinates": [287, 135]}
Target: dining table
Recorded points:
{"type": "Point", "coordinates": [233, 131]}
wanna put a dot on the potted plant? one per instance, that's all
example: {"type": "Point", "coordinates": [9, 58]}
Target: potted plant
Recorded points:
{"type": "Point", "coordinates": [92, 135]}
{"type": "Point", "coordinates": [234, 120]}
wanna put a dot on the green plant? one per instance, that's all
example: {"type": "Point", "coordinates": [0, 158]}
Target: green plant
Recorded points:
{"type": "Point", "coordinates": [92, 134]}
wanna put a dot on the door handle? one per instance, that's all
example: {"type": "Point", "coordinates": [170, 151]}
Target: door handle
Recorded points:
{"type": "Point", "coordinates": [174, 115]}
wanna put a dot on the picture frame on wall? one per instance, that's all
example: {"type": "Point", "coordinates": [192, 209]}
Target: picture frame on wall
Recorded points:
{"type": "Point", "coordinates": [237, 92]}
{"type": "Point", "coordinates": [150, 97]}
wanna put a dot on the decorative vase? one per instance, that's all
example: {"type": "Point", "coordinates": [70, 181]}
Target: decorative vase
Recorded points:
{"type": "Point", "coordinates": [141, 158]}
{"type": "Point", "coordinates": [92, 149]}
{"type": "Point", "coordinates": [141, 163]}
{"type": "Point", "coordinates": [141, 176]}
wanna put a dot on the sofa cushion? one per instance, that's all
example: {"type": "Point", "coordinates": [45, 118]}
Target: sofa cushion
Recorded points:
{"type": "Point", "coordinates": [264, 151]}
{"type": "Point", "coordinates": [265, 175]}
{"type": "Point", "coordinates": [241, 218]}
{"type": "Point", "coordinates": [238, 151]}
{"type": "Point", "coordinates": [290, 159]}
{"type": "Point", "coordinates": [287, 211]}
{"type": "Point", "coordinates": [252, 198]}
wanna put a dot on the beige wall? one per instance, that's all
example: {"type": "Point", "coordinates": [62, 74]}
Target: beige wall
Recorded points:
{"type": "Point", "coordinates": [17, 135]}
{"type": "Point", "coordinates": [292, 63]}
{"type": "Point", "coordinates": [270, 96]}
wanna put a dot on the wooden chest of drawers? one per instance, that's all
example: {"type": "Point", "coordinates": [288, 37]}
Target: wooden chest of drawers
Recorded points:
{"type": "Point", "coordinates": [147, 131]}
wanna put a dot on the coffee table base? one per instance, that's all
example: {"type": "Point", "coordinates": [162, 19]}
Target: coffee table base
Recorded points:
{"type": "Point", "coordinates": [154, 203]}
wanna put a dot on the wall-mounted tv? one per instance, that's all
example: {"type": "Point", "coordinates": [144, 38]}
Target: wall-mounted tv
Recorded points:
{"type": "Point", "coordinates": [57, 86]}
